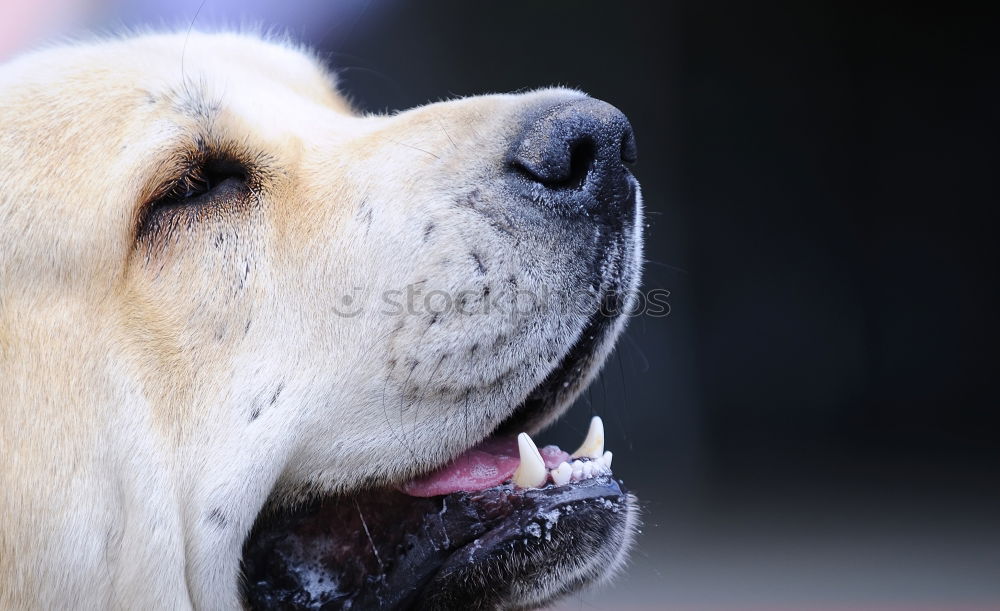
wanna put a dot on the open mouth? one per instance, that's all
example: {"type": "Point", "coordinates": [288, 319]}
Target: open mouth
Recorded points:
{"type": "Point", "coordinates": [447, 539]}
{"type": "Point", "coordinates": [503, 525]}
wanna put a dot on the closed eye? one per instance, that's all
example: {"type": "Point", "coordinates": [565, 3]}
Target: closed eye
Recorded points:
{"type": "Point", "coordinates": [205, 186]}
{"type": "Point", "coordinates": [202, 179]}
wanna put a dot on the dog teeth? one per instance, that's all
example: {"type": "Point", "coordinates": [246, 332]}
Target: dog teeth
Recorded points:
{"type": "Point", "coordinates": [531, 473]}
{"type": "Point", "coordinates": [593, 445]}
{"type": "Point", "coordinates": [590, 461]}
{"type": "Point", "coordinates": [562, 474]}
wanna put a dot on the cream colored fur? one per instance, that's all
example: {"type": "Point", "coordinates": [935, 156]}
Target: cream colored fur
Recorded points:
{"type": "Point", "coordinates": [156, 390]}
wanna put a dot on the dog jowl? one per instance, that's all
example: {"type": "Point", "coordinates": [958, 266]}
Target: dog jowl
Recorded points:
{"type": "Point", "coordinates": [204, 401]}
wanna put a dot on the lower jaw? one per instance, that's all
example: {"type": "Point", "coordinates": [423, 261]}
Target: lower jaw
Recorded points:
{"type": "Point", "coordinates": [388, 550]}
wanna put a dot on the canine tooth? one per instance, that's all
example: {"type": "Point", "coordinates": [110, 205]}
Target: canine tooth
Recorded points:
{"type": "Point", "coordinates": [562, 474]}
{"type": "Point", "coordinates": [606, 459]}
{"type": "Point", "coordinates": [593, 445]}
{"type": "Point", "coordinates": [531, 472]}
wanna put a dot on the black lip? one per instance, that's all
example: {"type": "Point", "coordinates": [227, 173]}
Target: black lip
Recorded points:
{"type": "Point", "coordinates": [387, 550]}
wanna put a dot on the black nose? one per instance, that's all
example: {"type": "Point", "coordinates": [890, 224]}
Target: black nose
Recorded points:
{"type": "Point", "coordinates": [573, 156]}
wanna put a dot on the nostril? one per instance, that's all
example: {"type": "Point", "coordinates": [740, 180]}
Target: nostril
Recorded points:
{"type": "Point", "coordinates": [573, 155]}
{"type": "Point", "coordinates": [582, 154]}
{"type": "Point", "coordinates": [561, 164]}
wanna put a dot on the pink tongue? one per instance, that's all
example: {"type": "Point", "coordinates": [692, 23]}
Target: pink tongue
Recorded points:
{"type": "Point", "coordinates": [489, 464]}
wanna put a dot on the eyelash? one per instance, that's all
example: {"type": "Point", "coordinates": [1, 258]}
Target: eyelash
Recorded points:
{"type": "Point", "coordinates": [201, 179]}
{"type": "Point", "coordinates": [194, 193]}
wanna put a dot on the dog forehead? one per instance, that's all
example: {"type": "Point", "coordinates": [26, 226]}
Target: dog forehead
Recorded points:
{"type": "Point", "coordinates": [235, 85]}
{"type": "Point", "coordinates": [235, 67]}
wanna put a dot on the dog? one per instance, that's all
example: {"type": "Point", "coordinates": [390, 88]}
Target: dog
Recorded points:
{"type": "Point", "coordinates": [259, 350]}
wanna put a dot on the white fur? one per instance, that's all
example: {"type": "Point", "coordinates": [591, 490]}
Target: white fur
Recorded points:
{"type": "Point", "coordinates": [129, 367]}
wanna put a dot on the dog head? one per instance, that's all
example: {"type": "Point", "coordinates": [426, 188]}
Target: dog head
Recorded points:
{"type": "Point", "coordinates": [308, 303]}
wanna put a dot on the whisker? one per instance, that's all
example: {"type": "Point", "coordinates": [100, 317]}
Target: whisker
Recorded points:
{"type": "Point", "coordinates": [416, 148]}
{"type": "Point", "coordinates": [667, 265]}
{"type": "Point", "coordinates": [388, 421]}
{"type": "Point", "coordinates": [416, 403]}
{"type": "Point", "coordinates": [621, 415]}
{"type": "Point", "coordinates": [188, 35]}
{"type": "Point", "coordinates": [402, 406]}
{"type": "Point", "coordinates": [369, 535]}
{"type": "Point", "coordinates": [638, 349]}
{"type": "Point", "coordinates": [441, 125]}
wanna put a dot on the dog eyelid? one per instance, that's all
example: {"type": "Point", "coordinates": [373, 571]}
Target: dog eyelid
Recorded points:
{"type": "Point", "coordinates": [205, 181]}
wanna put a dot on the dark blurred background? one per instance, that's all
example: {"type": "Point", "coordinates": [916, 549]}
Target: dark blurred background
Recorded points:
{"type": "Point", "coordinates": [815, 423]}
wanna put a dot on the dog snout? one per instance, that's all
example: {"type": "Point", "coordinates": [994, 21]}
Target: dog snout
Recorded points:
{"type": "Point", "coordinates": [574, 155]}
